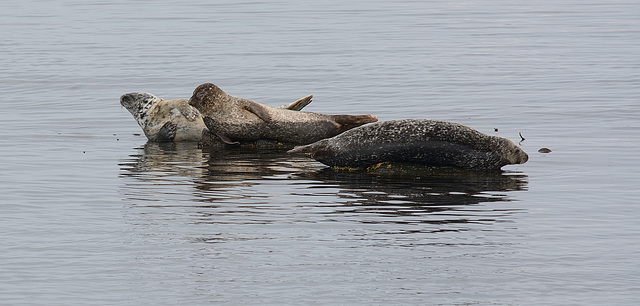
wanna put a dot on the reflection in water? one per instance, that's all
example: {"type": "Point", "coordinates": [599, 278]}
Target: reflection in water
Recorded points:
{"type": "Point", "coordinates": [242, 185]}
{"type": "Point", "coordinates": [162, 171]}
{"type": "Point", "coordinates": [183, 159]}
{"type": "Point", "coordinates": [426, 188]}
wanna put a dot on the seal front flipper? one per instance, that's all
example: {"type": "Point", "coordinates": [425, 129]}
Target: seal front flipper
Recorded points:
{"type": "Point", "coordinates": [188, 111]}
{"type": "Point", "coordinates": [256, 109]}
{"type": "Point", "coordinates": [167, 132]}
{"type": "Point", "coordinates": [212, 126]}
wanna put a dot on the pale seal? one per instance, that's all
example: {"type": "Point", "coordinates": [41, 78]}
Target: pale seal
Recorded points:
{"type": "Point", "coordinates": [235, 119]}
{"type": "Point", "coordinates": [419, 141]}
{"type": "Point", "coordinates": [164, 120]}
{"type": "Point", "coordinates": [174, 120]}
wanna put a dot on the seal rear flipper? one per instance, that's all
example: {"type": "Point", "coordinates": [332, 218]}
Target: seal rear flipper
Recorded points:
{"type": "Point", "coordinates": [167, 132]}
{"type": "Point", "coordinates": [312, 148]}
{"type": "Point", "coordinates": [347, 122]}
{"type": "Point", "coordinates": [257, 109]}
{"type": "Point", "coordinates": [301, 150]}
{"type": "Point", "coordinates": [298, 104]}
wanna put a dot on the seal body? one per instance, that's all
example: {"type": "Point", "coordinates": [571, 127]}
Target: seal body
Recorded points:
{"type": "Point", "coordinates": [164, 120]}
{"type": "Point", "coordinates": [235, 119]}
{"type": "Point", "coordinates": [421, 141]}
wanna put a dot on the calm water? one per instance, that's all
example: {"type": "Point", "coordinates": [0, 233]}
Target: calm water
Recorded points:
{"type": "Point", "coordinates": [90, 214]}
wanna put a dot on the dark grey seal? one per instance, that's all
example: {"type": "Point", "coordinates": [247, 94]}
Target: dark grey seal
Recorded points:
{"type": "Point", "coordinates": [421, 141]}
{"type": "Point", "coordinates": [235, 119]}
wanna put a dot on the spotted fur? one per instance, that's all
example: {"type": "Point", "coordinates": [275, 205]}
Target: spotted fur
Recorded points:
{"type": "Point", "coordinates": [164, 120]}
{"type": "Point", "coordinates": [235, 119]}
{"type": "Point", "coordinates": [421, 141]}
{"type": "Point", "coordinates": [175, 120]}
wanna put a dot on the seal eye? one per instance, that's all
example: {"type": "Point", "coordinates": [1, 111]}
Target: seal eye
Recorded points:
{"type": "Point", "coordinates": [199, 94]}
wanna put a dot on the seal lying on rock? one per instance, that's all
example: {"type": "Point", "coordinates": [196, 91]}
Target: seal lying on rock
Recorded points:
{"type": "Point", "coordinates": [174, 120]}
{"type": "Point", "coordinates": [421, 141]}
{"type": "Point", "coordinates": [235, 119]}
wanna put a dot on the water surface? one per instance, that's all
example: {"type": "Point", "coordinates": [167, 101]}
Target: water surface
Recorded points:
{"type": "Point", "coordinates": [92, 214]}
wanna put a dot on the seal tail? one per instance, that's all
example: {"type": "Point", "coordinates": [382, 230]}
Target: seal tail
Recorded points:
{"type": "Point", "coordinates": [347, 122]}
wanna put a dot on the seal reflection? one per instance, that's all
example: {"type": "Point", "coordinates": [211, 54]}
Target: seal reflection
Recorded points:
{"type": "Point", "coordinates": [245, 186]}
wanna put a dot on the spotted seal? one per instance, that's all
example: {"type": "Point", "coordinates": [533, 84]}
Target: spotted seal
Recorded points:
{"type": "Point", "coordinates": [235, 119]}
{"type": "Point", "coordinates": [420, 141]}
{"type": "Point", "coordinates": [174, 120]}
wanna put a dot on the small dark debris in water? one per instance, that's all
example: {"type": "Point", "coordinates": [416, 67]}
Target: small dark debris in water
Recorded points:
{"type": "Point", "coordinates": [520, 133]}
{"type": "Point", "coordinates": [117, 139]}
{"type": "Point", "coordinates": [136, 134]}
{"type": "Point", "coordinates": [83, 152]}
{"type": "Point", "coordinates": [495, 130]}
{"type": "Point", "coordinates": [544, 150]}
{"type": "Point", "coordinates": [115, 134]}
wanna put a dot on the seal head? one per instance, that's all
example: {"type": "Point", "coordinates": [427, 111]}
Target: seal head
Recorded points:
{"type": "Point", "coordinates": [208, 98]}
{"type": "Point", "coordinates": [138, 104]}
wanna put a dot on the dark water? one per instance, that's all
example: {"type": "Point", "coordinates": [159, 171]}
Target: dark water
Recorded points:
{"type": "Point", "coordinates": [90, 214]}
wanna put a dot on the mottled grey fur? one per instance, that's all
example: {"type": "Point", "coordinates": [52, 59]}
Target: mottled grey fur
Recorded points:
{"type": "Point", "coordinates": [164, 120]}
{"type": "Point", "coordinates": [430, 142]}
{"type": "Point", "coordinates": [238, 119]}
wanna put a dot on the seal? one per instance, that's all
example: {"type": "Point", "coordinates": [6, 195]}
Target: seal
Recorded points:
{"type": "Point", "coordinates": [235, 119]}
{"type": "Point", "coordinates": [417, 141]}
{"type": "Point", "coordinates": [164, 120]}
{"type": "Point", "coordinates": [174, 120]}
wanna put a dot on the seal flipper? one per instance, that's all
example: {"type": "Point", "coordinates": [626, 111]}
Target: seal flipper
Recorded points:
{"type": "Point", "coordinates": [347, 122]}
{"type": "Point", "coordinates": [226, 139]}
{"type": "Point", "coordinates": [188, 111]}
{"type": "Point", "coordinates": [167, 132]}
{"type": "Point", "coordinates": [298, 104]}
{"type": "Point", "coordinates": [257, 109]}
{"type": "Point", "coordinates": [211, 126]}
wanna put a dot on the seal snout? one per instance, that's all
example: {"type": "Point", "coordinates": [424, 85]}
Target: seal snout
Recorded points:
{"type": "Point", "coordinates": [524, 158]}
{"type": "Point", "coordinates": [519, 156]}
{"type": "Point", "coordinates": [126, 99]}
{"type": "Point", "coordinates": [132, 98]}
